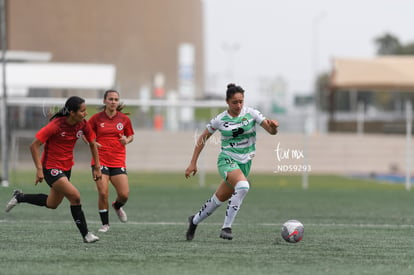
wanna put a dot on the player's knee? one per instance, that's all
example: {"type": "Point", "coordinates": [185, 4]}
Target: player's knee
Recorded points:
{"type": "Point", "coordinates": [123, 196]}
{"type": "Point", "coordinates": [103, 196]}
{"type": "Point", "coordinates": [242, 187]}
{"type": "Point", "coordinates": [74, 199]}
{"type": "Point", "coordinates": [52, 206]}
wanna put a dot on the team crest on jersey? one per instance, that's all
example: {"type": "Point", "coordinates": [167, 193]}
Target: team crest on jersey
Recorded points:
{"type": "Point", "coordinates": [120, 126]}
{"type": "Point", "coordinates": [102, 124]}
{"type": "Point", "coordinates": [79, 133]}
{"type": "Point", "coordinates": [245, 121]}
{"type": "Point", "coordinates": [63, 134]}
{"type": "Point", "coordinates": [55, 172]}
{"type": "Point", "coordinates": [226, 124]}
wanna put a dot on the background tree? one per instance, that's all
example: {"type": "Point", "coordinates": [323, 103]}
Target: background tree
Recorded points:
{"type": "Point", "coordinates": [407, 49]}
{"type": "Point", "coordinates": [387, 44]}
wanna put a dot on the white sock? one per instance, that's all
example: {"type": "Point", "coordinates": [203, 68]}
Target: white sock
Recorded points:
{"type": "Point", "coordinates": [240, 191]}
{"type": "Point", "coordinates": [207, 209]}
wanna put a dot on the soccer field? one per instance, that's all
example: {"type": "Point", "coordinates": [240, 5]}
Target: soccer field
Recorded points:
{"type": "Point", "coordinates": [351, 227]}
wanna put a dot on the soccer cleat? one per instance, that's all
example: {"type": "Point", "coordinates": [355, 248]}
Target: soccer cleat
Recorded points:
{"type": "Point", "coordinates": [121, 213]}
{"type": "Point", "coordinates": [13, 201]}
{"type": "Point", "coordinates": [90, 238]}
{"type": "Point", "coordinates": [191, 229]}
{"type": "Point", "coordinates": [226, 233]}
{"type": "Point", "coordinates": [104, 228]}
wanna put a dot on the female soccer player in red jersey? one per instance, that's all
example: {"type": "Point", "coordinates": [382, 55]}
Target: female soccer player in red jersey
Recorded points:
{"type": "Point", "coordinates": [113, 131]}
{"type": "Point", "coordinates": [59, 137]}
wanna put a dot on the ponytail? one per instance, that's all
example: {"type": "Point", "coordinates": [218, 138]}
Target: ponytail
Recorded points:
{"type": "Point", "coordinates": [73, 103]}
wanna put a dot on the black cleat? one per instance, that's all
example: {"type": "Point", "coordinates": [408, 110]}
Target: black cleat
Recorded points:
{"type": "Point", "coordinates": [191, 229]}
{"type": "Point", "coordinates": [226, 233]}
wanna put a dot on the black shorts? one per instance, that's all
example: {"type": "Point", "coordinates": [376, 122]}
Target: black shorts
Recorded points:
{"type": "Point", "coordinates": [52, 175]}
{"type": "Point", "coordinates": [113, 171]}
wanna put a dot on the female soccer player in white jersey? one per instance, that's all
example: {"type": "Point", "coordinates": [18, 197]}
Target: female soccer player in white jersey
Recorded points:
{"type": "Point", "coordinates": [237, 126]}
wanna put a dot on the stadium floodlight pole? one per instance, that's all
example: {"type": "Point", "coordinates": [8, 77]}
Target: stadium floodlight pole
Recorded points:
{"type": "Point", "coordinates": [3, 109]}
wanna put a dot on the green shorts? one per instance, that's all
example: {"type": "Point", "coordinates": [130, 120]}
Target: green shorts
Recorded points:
{"type": "Point", "coordinates": [226, 164]}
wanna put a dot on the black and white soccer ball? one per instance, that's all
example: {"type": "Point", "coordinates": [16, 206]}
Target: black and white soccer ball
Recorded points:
{"type": "Point", "coordinates": [292, 231]}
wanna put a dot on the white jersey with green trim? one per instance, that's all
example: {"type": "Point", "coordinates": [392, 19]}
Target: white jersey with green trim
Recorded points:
{"type": "Point", "coordinates": [238, 134]}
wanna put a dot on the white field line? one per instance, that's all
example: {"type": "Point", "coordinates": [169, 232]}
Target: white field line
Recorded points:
{"type": "Point", "coordinates": [338, 225]}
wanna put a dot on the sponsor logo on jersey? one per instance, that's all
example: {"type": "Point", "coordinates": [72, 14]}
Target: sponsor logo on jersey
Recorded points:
{"type": "Point", "coordinates": [233, 144]}
{"type": "Point", "coordinates": [55, 172]}
{"type": "Point", "coordinates": [120, 126]}
{"type": "Point", "coordinates": [237, 132]}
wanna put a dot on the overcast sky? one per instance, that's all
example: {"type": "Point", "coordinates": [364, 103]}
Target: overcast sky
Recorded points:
{"type": "Point", "coordinates": [293, 39]}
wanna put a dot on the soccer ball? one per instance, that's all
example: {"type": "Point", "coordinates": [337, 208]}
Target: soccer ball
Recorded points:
{"type": "Point", "coordinates": [292, 231]}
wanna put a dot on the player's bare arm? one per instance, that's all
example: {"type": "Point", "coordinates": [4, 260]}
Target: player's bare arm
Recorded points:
{"type": "Point", "coordinates": [35, 151]}
{"type": "Point", "coordinates": [192, 167]}
{"type": "Point", "coordinates": [126, 140]}
{"type": "Point", "coordinates": [270, 126]}
{"type": "Point", "coordinates": [97, 174]}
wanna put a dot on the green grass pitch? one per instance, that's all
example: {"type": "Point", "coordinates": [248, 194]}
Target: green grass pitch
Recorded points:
{"type": "Point", "coordinates": [351, 227]}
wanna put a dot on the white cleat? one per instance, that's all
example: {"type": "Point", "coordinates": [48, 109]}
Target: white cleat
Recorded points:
{"type": "Point", "coordinates": [13, 201]}
{"type": "Point", "coordinates": [121, 213]}
{"type": "Point", "coordinates": [104, 228]}
{"type": "Point", "coordinates": [90, 238]}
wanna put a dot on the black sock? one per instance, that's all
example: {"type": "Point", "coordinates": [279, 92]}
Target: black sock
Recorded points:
{"type": "Point", "coordinates": [79, 219]}
{"type": "Point", "coordinates": [37, 199]}
{"type": "Point", "coordinates": [104, 216]}
{"type": "Point", "coordinates": [118, 204]}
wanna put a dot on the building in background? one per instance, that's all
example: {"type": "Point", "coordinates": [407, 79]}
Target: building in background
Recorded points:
{"type": "Point", "coordinates": [140, 37]}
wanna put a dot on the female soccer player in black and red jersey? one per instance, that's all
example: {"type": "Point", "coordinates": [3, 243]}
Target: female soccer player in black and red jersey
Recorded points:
{"type": "Point", "coordinates": [59, 137]}
{"type": "Point", "coordinates": [113, 131]}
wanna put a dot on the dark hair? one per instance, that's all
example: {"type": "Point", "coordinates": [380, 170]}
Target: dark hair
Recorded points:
{"type": "Point", "coordinates": [73, 103]}
{"type": "Point", "coordinates": [232, 89]}
{"type": "Point", "coordinates": [120, 105]}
